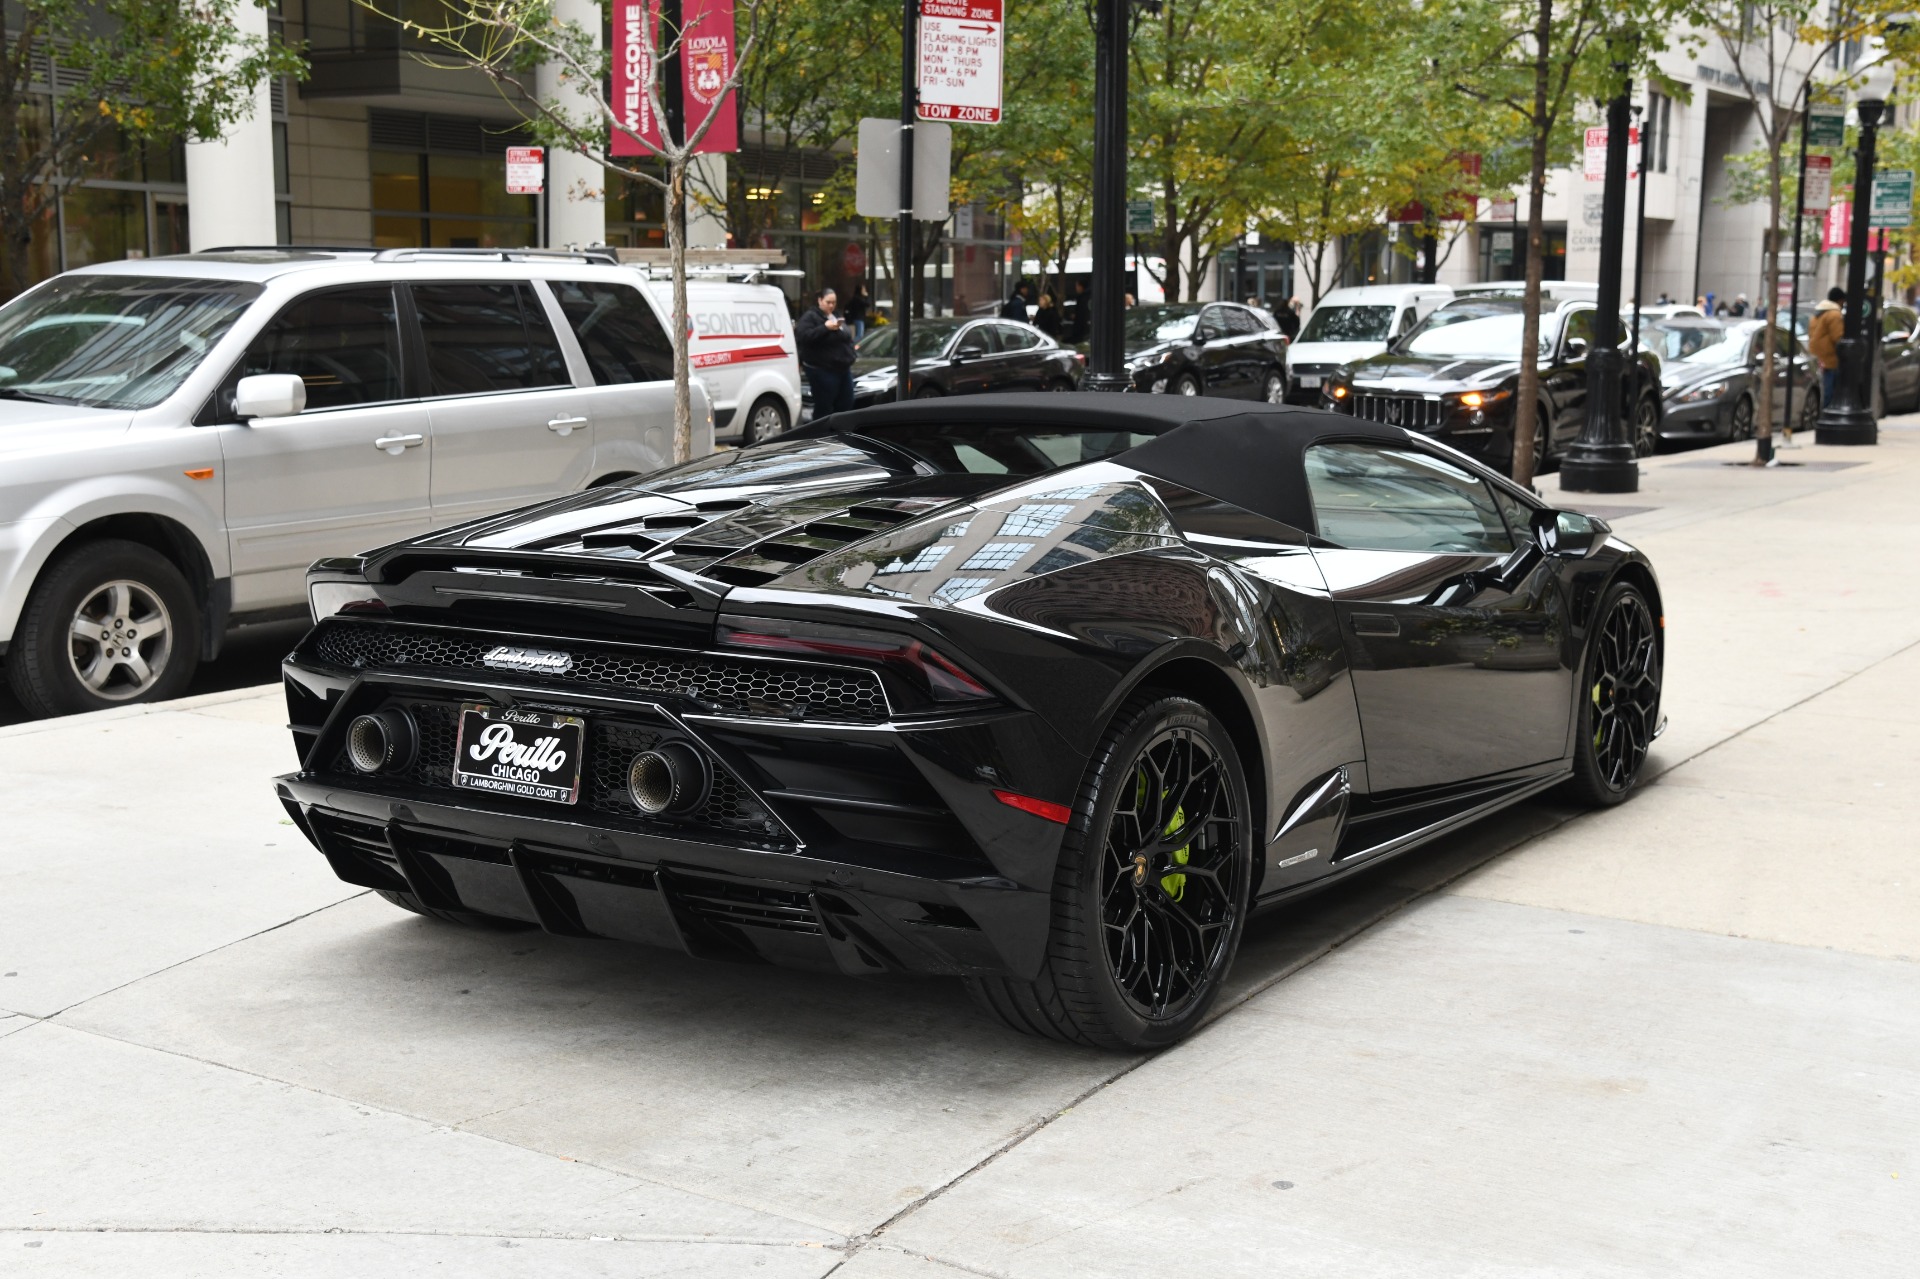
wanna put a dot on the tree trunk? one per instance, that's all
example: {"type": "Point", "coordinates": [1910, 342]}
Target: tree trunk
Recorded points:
{"type": "Point", "coordinates": [1770, 283]}
{"type": "Point", "coordinates": [677, 250]}
{"type": "Point", "coordinates": [1525, 410]}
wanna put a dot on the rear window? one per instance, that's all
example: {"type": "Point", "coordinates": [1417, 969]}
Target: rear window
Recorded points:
{"type": "Point", "coordinates": [622, 338]}
{"type": "Point", "coordinates": [113, 341]}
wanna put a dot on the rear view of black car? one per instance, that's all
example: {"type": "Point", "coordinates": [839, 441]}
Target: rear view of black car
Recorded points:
{"type": "Point", "coordinates": [1047, 693]}
{"type": "Point", "coordinates": [1456, 375]}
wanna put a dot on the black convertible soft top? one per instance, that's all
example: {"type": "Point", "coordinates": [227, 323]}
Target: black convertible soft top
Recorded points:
{"type": "Point", "coordinates": [1246, 454]}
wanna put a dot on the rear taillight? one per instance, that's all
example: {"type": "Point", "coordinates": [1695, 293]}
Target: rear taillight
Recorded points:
{"type": "Point", "coordinates": [931, 671]}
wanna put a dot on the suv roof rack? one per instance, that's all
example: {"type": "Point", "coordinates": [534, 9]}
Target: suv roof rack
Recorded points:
{"type": "Point", "coordinates": [602, 256]}
{"type": "Point", "coordinates": [288, 248]}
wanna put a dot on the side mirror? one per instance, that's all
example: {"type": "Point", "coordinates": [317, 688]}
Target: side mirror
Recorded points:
{"type": "Point", "coordinates": [1576, 347]}
{"type": "Point", "coordinates": [1899, 335]}
{"type": "Point", "coordinates": [1568, 533]}
{"type": "Point", "coordinates": [269, 395]}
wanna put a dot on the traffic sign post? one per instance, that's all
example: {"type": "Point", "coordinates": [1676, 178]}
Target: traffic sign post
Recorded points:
{"type": "Point", "coordinates": [1139, 217]}
{"type": "Point", "coordinates": [1892, 199]}
{"type": "Point", "coordinates": [961, 47]}
{"type": "Point", "coordinates": [1826, 126]}
{"type": "Point", "coordinates": [526, 170]}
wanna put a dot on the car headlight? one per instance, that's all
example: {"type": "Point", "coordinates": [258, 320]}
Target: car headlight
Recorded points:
{"type": "Point", "coordinates": [1705, 391]}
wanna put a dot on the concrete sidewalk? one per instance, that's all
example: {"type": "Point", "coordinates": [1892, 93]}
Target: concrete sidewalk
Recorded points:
{"type": "Point", "coordinates": [1679, 1037]}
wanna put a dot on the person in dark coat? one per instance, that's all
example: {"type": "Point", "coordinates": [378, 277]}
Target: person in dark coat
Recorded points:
{"type": "Point", "coordinates": [1017, 303]}
{"type": "Point", "coordinates": [1288, 317]}
{"type": "Point", "coordinates": [1079, 314]}
{"type": "Point", "coordinates": [856, 310]}
{"type": "Point", "coordinates": [1046, 317]}
{"type": "Point", "coordinates": [825, 343]}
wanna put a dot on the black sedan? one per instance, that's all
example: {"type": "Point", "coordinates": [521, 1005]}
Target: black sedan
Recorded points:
{"type": "Point", "coordinates": [1046, 694]}
{"type": "Point", "coordinates": [1206, 348]}
{"type": "Point", "coordinates": [1712, 371]}
{"type": "Point", "coordinates": [964, 357]}
{"type": "Point", "coordinates": [1456, 375]}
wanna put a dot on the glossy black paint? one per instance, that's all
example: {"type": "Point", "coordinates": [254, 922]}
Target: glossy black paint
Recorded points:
{"type": "Point", "coordinates": [1424, 392]}
{"type": "Point", "coordinates": [869, 838]}
{"type": "Point", "coordinates": [973, 357]}
{"type": "Point", "coordinates": [1227, 350]}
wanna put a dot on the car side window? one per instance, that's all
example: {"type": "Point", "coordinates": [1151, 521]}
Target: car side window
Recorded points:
{"type": "Point", "coordinates": [1408, 318]}
{"type": "Point", "coordinates": [1579, 328]}
{"type": "Point", "coordinates": [1897, 320]}
{"type": "Point", "coordinates": [1382, 498]}
{"type": "Point", "coordinates": [624, 341]}
{"type": "Point", "coordinates": [977, 340]}
{"type": "Point", "coordinates": [486, 337]}
{"type": "Point", "coordinates": [343, 343]}
{"type": "Point", "coordinates": [1212, 323]}
{"type": "Point", "coordinates": [1014, 338]}
{"type": "Point", "coordinates": [1241, 320]}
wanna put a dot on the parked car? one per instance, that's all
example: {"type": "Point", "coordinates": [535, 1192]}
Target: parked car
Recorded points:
{"type": "Point", "coordinates": [1352, 324]}
{"type": "Point", "coordinates": [1710, 375]}
{"type": "Point", "coordinates": [1048, 693]}
{"type": "Point", "coordinates": [963, 357]}
{"type": "Point", "coordinates": [741, 345]}
{"type": "Point", "coordinates": [1899, 359]}
{"type": "Point", "coordinates": [1552, 292]}
{"type": "Point", "coordinates": [1456, 376]}
{"type": "Point", "coordinates": [1207, 348]}
{"type": "Point", "coordinates": [183, 436]}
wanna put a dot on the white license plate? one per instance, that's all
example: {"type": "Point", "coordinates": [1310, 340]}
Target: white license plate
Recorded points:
{"type": "Point", "coordinates": [526, 754]}
{"type": "Point", "coordinates": [1307, 381]}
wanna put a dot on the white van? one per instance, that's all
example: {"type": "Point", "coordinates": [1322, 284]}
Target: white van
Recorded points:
{"type": "Point", "coordinates": [742, 348]}
{"type": "Point", "coordinates": [1352, 324]}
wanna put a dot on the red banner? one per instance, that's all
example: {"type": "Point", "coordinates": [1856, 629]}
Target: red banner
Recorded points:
{"type": "Point", "coordinates": [1837, 235]}
{"type": "Point", "coordinates": [706, 64]}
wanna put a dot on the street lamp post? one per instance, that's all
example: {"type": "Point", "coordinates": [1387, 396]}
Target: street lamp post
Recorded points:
{"type": "Point", "coordinates": [1603, 460]}
{"type": "Point", "coordinates": [1849, 419]}
{"type": "Point", "coordinates": [1105, 364]}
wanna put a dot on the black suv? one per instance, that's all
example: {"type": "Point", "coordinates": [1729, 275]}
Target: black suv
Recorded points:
{"type": "Point", "coordinates": [1456, 375]}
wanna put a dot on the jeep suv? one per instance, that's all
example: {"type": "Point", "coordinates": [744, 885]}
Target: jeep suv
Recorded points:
{"type": "Point", "coordinates": [180, 437]}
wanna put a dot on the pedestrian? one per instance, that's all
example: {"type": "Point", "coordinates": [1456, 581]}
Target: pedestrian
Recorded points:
{"type": "Point", "coordinates": [859, 305]}
{"type": "Point", "coordinates": [1289, 319]}
{"type": "Point", "coordinates": [1700, 304]}
{"type": "Point", "coordinates": [1046, 317]}
{"type": "Point", "coordinates": [1823, 339]}
{"type": "Point", "coordinates": [1079, 314]}
{"type": "Point", "coordinates": [1130, 303]}
{"type": "Point", "coordinates": [1663, 299]}
{"type": "Point", "coordinates": [1018, 302]}
{"type": "Point", "coordinates": [1739, 307]}
{"type": "Point", "coordinates": [825, 343]}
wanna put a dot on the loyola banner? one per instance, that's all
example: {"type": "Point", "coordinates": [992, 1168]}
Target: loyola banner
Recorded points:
{"type": "Point", "coordinates": [706, 62]}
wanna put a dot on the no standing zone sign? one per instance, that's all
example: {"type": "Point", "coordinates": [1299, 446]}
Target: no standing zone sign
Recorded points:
{"type": "Point", "coordinates": [960, 56]}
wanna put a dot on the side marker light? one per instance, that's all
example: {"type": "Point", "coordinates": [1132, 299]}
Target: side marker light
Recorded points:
{"type": "Point", "coordinates": [199, 473]}
{"type": "Point", "coordinates": [1038, 807]}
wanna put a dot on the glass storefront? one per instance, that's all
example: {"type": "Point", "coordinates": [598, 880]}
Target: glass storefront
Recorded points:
{"type": "Point", "coordinates": [1503, 251]}
{"type": "Point", "coordinates": [441, 182]}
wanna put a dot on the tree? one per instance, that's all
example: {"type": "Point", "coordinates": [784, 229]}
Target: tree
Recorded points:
{"type": "Point", "coordinates": [506, 40]}
{"type": "Point", "coordinates": [148, 70]}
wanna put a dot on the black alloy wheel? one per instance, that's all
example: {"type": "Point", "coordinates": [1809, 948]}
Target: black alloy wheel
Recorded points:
{"type": "Point", "coordinates": [1646, 426]}
{"type": "Point", "coordinates": [1742, 425]}
{"type": "Point", "coordinates": [1619, 699]}
{"type": "Point", "coordinates": [1542, 442]}
{"type": "Point", "coordinates": [1150, 893]}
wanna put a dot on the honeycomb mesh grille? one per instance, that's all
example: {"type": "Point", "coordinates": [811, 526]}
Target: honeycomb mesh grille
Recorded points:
{"type": "Point", "coordinates": [738, 685]}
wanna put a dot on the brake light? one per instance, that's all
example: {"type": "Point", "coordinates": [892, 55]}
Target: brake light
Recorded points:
{"type": "Point", "coordinates": [1038, 807]}
{"type": "Point", "coordinates": [931, 670]}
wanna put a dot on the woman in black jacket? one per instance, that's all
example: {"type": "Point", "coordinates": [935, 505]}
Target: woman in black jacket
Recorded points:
{"type": "Point", "coordinates": [1046, 317]}
{"type": "Point", "coordinates": [825, 343]}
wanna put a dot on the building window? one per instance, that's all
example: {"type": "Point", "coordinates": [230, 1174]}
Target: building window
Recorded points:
{"type": "Point", "coordinates": [441, 182]}
{"type": "Point", "coordinates": [1653, 136]}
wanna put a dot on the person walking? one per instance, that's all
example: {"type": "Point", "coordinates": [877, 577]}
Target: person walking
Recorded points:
{"type": "Point", "coordinates": [825, 344]}
{"type": "Point", "coordinates": [859, 304]}
{"type": "Point", "coordinates": [1046, 317]}
{"type": "Point", "coordinates": [1739, 307]}
{"type": "Point", "coordinates": [1018, 302]}
{"type": "Point", "coordinates": [1080, 315]}
{"type": "Point", "coordinates": [1288, 317]}
{"type": "Point", "coordinates": [1823, 339]}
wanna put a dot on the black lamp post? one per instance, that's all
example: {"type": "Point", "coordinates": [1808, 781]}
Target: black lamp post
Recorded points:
{"type": "Point", "coordinates": [1849, 418]}
{"type": "Point", "coordinates": [1602, 460]}
{"type": "Point", "coordinates": [1106, 361]}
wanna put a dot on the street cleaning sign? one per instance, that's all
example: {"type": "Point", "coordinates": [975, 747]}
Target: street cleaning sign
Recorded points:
{"type": "Point", "coordinates": [1596, 154]}
{"type": "Point", "coordinates": [1816, 193]}
{"type": "Point", "coordinates": [1892, 201]}
{"type": "Point", "coordinates": [961, 42]}
{"type": "Point", "coordinates": [1827, 126]}
{"type": "Point", "coordinates": [526, 170]}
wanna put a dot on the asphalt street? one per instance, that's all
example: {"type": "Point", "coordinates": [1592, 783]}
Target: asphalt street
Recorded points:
{"type": "Point", "coordinates": [1681, 1037]}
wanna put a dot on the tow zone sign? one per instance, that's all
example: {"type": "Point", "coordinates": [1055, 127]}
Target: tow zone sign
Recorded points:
{"type": "Point", "coordinates": [961, 42]}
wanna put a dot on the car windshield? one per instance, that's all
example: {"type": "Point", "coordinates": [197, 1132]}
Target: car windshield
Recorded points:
{"type": "Point", "coordinates": [1147, 325]}
{"type": "Point", "coordinates": [929, 339]}
{"type": "Point", "coordinates": [1002, 449]}
{"type": "Point", "coordinates": [1491, 328]}
{"type": "Point", "coordinates": [1348, 324]}
{"type": "Point", "coordinates": [113, 341]}
{"type": "Point", "coordinates": [1697, 343]}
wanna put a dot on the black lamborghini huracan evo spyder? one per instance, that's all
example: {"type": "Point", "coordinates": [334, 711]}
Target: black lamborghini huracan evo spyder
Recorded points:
{"type": "Point", "coordinates": [1044, 692]}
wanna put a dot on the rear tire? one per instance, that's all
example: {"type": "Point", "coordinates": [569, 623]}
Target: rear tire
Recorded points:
{"type": "Point", "coordinates": [109, 623]}
{"type": "Point", "coordinates": [1646, 427]}
{"type": "Point", "coordinates": [1274, 389]}
{"type": "Point", "coordinates": [464, 918]}
{"type": "Point", "coordinates": [1150, 892]}
{"type": "Point", "coordinates": [928, 393]}
{"type": "Point", "coordinates": [1619, 704]}
{"type": "Point", "coordinates": [766, 419]}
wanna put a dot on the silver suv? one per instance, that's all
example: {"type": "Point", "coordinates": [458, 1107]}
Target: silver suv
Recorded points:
{"type": "Point", "coordinates": [180, 437]}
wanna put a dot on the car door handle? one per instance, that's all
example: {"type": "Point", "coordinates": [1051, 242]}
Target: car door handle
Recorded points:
{"type": "Point", "coordinates": [397, 444]}
{"type": "Point", "coordinates": [564, 424]}
{"type": "Point", "coordinates": [1375, 624]}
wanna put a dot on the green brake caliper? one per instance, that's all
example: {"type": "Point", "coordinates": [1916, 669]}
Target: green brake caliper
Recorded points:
{"type": "Point", "coordinates": [1172, 885]}
{"type": "Point", "coordinates": [1598, 730]}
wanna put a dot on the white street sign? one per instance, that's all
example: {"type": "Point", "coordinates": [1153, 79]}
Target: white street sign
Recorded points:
{"type": "Point", "coordinates": [876, 186]}
{"type": "Point", "coordinates": [1816, 193]}
{"type": "Point", "coordinates": [960, 55]}
{"type": "Point", "coordinates": [526, 170]}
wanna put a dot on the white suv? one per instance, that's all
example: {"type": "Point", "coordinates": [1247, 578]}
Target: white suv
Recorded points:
{"type": "Point", "coordinates": [180, 437]}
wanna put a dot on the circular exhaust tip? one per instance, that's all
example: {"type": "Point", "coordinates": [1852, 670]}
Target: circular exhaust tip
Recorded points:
{"type": "Point", "coordinates": [382, 742]}
{"type": "Point", "coordinates": [671, 778]}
